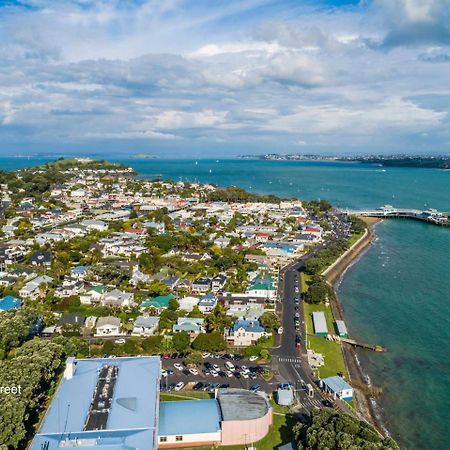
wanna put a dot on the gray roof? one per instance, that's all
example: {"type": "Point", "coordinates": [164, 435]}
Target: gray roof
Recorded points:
{"type": "Point", "coordinates": [108, 320]}
{"type": "Point", "coordinates": [231, 403]}
{"type": "Point", "coordinates": [146, 322]}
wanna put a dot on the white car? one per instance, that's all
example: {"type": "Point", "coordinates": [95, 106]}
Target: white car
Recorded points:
{"type": "Point", "coordinates": [120, 341]}
{"type": "Point", "coordinates": [280, 330]}
{"type": "Point", "coordinates": [214, 373]}
{"type": "Point", "coordinates": [179, 386]}
{"type": "Point", "coordinates": [178, 366]}
{"type": "Point", "coordinates": [244, 374]}
{"type": "Point", "coordinates": [244, 368]}
{"type": "Point", "coordinates": [193, 371]}
{"type": "Point", "coordinates": [206, 355]}
{"type": "Point", "coordinates": [164, 373]}
{"type": "Point", "coordinates": [253, 358]}
{"type": "Point", "coordinates": [216, 367]}
{"type": "Point", "coordinates": [229, 373]}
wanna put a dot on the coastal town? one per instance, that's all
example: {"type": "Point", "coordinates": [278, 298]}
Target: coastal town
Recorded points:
{"type": "Point", "coordinates": [218, 294]}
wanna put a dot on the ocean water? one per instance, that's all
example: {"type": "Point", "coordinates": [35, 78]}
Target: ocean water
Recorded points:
{"type": "Point", "coordinates": [396, 295]}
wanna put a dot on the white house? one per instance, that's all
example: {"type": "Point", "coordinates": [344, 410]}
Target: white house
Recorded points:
{"type": "Point", "coordinates": [31, 289]}
{"type": "Point", "coordinates": [93, 295]}
{"type": "Point", "coordinates": [145, 325]}
{"type": "Point", "coordinates": [191, 325]}
{"type": "Point", "coordinates": [108, 326]}
{"type": "Point", "coordinates": [246, 332]}
{"type": "Point", "coordinates": [97, 225]}
{"type": "Point", "coordinates": [117, 298]}
{"type": "Point", "coordinates": [207, 303]}
{"type": "Point", "coordinates": [188, 303]}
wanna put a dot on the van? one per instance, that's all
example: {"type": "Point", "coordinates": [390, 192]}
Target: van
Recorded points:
{"type": "Point", "coordinates": [229, 365]}
{"type": "Point", "coordinates": [309, 389]}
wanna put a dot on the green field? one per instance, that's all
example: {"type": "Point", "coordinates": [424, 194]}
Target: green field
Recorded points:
{"type": "Point", "coordinates": [280, 433]}
{"type": "Point", "coordinates": [334, 360]}
{"type": "Point", "coordinates": [304, 278]}
{"type": "Point", "coordinates": [355, 238]}
{"type": "Point", "coordinates": [184, 395]}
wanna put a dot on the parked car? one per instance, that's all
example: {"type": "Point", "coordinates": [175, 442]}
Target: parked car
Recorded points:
{"type": "Point", "coordinates": [120, 341]}
{"type": "Point", "coordinates": [280, 330]}
{"type": "Point", "coordinates": [255, 388]}
{"type": "Point", "coordinates": [179, 386]}
{"type": "Point", "coordinates": [178, 366]}
{"type": "Point", "coordinates": [198, 386]}
{"type": "Point", "coordinates": [253, 358]}
{"type": "Point", "coordinates": [193, 371]}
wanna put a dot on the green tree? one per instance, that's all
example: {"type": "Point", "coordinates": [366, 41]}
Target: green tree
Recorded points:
{"type": "Point", "coordinates": [181, 341]}
{"type": "Point", "coordinates": [270, 321]}
{"type": "Point", "coordinates": [210, 342]}
{"type": "Point", "coordinates": [194, 359]}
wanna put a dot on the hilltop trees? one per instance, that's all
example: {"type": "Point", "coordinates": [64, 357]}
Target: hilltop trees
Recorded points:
{"type": "Point", "coordinates": [327, 429]}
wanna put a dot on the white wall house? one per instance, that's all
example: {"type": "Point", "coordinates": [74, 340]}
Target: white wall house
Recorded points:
{"type": "Point", "coordinates": [108, 326]}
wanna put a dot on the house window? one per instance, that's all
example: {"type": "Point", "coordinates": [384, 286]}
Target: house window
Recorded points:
{"type": "Point", "coordinates": [178, 438]}
{"type": "Point", "coordinates": [163, 439]}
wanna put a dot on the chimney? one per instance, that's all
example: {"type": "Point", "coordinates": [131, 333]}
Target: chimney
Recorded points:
{"type": "Point", "coordinates": [71, 366]}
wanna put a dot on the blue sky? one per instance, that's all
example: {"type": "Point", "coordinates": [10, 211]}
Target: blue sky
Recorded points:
{"type": "Point", "coordinates": [210, 78]}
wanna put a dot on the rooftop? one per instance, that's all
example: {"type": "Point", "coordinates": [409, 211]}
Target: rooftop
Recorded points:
{"type": "Point", "coordinates": [189, 417]}
{"type": "Point", "coordinates": [231, 403]}
{"type": "Point", "coordinates": [336, 383]}
{"type": "Point", "coordinates": [129, 422]}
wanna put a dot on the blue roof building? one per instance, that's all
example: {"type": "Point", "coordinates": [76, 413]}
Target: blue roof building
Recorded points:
{"type": "Point", "coordinates": [337, 387]}
{"type": "Point", "coordinates": [189, 417]}
{"type": "Point", "coordinates": [250, 326]}
{"type": "Point", "coordinates": [10, 302]}
{"type": "Point", "coordinates": [103, 403]}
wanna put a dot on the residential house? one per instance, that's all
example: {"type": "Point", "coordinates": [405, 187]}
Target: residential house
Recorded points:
{"type": "Point", "coordinates": [31, 289]}
{"type": "Point", "coordinates": [70, 321]}
{"type": "Point", "coordinates": [41, 258]}
{"type": "Point", "coordinates": [117, 298]}
{"type": "Point", "coordinates": [188, 303]}
{"type": "Point", "coordinates": [138, 277]}
{"type": "Point", "coordinates": [218, 282]}
{"type": "Point", "coordinates": [171, 282]}
{"type": "Point", "coordinates": [145, 325]}
{"type": "Point", "coordinates": [79, 272]}
{"type": "Point", "coordinates": [94, 225]}
{"type": "Point", "coordinates": [201, 285]}
{"type": "Point", "coordinates": [93, 295]}
{"type": "Point", "coordinates": [246, 332]}
{"type": "Point", "coordinates": [159, 303]}
{"type": "Point", "coordinates": [192, 326]}
{"type": "Point", "coordinates": [108, 326]}
{"type": "Point", "coordinates": [207, 303]}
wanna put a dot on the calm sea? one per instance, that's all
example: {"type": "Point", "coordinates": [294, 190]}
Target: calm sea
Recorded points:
{"type": "Point", "coordinates": [397, 295]}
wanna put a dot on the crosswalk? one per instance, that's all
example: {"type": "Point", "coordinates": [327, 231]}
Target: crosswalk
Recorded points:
{"type": "Point", "coordinates": [289, 359]}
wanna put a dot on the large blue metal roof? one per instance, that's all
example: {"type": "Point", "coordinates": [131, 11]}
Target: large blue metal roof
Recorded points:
{"type": "Point", "coordinates": [189, 417]}
{"type": "Point", "coordinates": [133, 415]}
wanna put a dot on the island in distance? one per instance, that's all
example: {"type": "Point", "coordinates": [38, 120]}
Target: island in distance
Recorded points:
{"type": "Point", "coordinates": [419, 161]}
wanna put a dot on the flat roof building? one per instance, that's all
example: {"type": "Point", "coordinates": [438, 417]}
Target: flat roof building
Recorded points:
{"type": "Point", "coordinates": [320, 323]}
{"type": "Point", "coordinates": [103, 403]}
{"type": "Point", "coordinates": [337, 387]}
{"type": "Point", "coordinates": [341, 328]}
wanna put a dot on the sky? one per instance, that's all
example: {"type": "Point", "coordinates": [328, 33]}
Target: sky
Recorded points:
{"type": "Point", "coordinates": [179, 78]}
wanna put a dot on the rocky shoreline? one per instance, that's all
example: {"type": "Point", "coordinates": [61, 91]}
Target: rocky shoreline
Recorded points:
{"type": "Point", "coordinates": [364, 402]}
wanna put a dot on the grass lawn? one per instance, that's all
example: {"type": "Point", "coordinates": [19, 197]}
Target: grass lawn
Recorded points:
{"type": "Point", "coordinates": [304, 278]}
{"type": "Point", "coordinates": [334, 360]}
{"type": "Point", "coordinates": [184, 395]}
{"type": "Point", "coordinates": [280, 433]}
{"type": "Point", "coordinates": [355, 237]}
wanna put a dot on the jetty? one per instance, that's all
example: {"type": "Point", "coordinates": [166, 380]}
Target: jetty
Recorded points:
{"type": "Point", "coordinates": [375, 348]}
{"type": "Point", "coordinates": [387, 211]}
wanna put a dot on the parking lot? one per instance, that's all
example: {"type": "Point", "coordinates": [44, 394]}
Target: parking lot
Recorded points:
{"type": "Point", "coordinates": [215, 371]}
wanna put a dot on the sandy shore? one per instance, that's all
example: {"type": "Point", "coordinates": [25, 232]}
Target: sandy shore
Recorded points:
{"type": "Point", "coordinates": [364, 404]}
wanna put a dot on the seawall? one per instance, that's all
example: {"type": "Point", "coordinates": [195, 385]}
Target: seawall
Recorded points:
{"type": "Point", "coordinates": [333, 274]}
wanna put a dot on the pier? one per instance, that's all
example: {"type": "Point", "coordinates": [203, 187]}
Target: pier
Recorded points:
{"type": "Point", "coordinates": [375, 348]}
{"type": "Point", "coordinates": [385, 212]}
